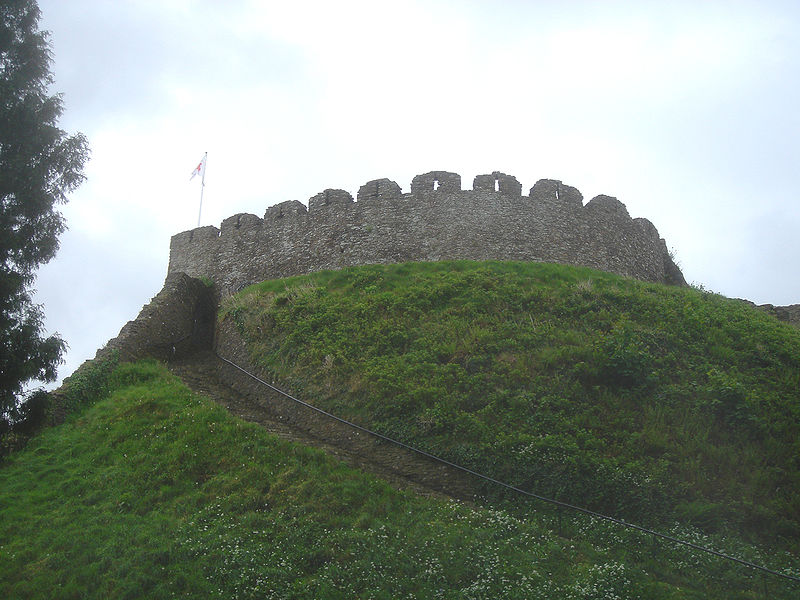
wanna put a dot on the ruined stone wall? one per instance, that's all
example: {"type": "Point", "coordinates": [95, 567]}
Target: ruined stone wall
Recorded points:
{"type": "Point", "coordinates": [178, 321]}
{"type": "Point", "coordinates": [788, 314]}
{"type": "Point", "coordinates": [436, 221]}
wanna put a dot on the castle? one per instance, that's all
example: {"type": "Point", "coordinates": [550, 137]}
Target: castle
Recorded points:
{"type": "Point", "coordinates": [437, 220]}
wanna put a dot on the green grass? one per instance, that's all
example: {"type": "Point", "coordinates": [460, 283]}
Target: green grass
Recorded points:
{"type": "Point", "coordinates": [153, 492]}
{"type": "Point", "coordinates": [656, 404]}
{"type": "Point", "coordinates": [666, 406]}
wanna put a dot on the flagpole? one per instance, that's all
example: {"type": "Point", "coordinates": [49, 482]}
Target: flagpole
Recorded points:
{"type": "Point", "coordinates": [202, 187]}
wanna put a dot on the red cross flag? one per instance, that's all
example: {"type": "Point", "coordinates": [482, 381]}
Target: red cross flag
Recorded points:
{"type": "Point", "coordinates": [199, 168]}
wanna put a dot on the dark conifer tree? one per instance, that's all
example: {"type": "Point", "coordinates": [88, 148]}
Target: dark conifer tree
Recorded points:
{"type": "Point", "coordinates": [39, 165]}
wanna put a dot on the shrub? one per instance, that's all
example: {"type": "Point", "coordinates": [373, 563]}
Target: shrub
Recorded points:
{"type": "Point", "coordinates": [622, 359]}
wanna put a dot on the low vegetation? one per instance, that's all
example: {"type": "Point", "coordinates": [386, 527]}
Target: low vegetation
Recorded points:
{"type": "Point", "coordinates": [651, 403]}
{"type": "Point", "coordinates": [154, 492]}
{"type": "Point", "coordinates": [674, 408]}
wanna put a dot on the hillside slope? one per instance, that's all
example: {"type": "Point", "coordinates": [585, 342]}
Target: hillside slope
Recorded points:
{"type": "Point", "coordinates": [673, 408]}
{"type": "Point", "coordinates": [652, 403]}
{"type": "Point", "coordinates": [155, 492]}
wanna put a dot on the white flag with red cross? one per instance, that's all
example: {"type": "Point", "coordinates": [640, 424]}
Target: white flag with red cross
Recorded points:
{"type": "Point", "coordinates": [199, 168]}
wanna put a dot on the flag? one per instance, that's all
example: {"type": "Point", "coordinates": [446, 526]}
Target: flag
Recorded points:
{"type": "Point", "coordinates": [199, 168]}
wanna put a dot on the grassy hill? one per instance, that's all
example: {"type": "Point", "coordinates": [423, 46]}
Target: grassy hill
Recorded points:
{"type": "Point", "coordinates": [154, 492]}
{"type": "Point", "coordinates": [653, 403]}
{"type": "Point", "coordinates": [673, 407]}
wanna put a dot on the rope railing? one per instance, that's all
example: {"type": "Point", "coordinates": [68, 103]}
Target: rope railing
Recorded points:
{"type": "Point", "coordinates": [514, 488]}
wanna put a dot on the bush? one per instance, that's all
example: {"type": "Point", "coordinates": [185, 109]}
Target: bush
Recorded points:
{"type": "Point", "coordinates": [623, 359]}
{"type": "Point", "coordinates": [88, 384]}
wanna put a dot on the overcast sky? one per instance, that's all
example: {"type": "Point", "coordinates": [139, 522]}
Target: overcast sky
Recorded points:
{"type": "Point", "coordinates": [687, 111]}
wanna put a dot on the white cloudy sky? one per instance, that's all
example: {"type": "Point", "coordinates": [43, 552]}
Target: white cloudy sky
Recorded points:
{"type": "Point", "coordinates": [687, 111]}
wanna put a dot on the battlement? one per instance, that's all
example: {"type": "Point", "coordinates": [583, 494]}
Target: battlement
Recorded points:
{"type": "Point", "coordinates": [437, 220]}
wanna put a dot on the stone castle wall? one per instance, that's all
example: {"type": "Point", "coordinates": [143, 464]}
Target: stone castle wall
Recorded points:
{"type": "Point", "coordinates": [436, 221]}
{"type": "Point", "coordinates": [177, 322]}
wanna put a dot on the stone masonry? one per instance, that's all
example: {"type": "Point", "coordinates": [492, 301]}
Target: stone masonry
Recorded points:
{"type": "Point", "coordinates": [436, 221]}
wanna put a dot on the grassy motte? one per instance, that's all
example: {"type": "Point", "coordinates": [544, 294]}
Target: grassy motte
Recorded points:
{"type": "Point", "coordinates": [652, 403]}
{"type": "Point", "coordinates": [671, 407]}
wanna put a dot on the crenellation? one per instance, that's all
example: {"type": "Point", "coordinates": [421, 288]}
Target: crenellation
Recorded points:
{"type": "Point", "coordinates": [436, 221]}
{"type": "Point", "coordinates": [184, 238]}
{"type": "Point", "coordinates": [208, 232]}
{"type": "Point", "coordinates": [544, 190]}
{"type": "Point", "coordinates": [607, 205]}
{"type": "Point", "coordinates": [379, 189]}
{"type": "Point", "coordinates": [285, 210]}
{"type": "Point", "coordinates": [484, 183]}
{"type": "Point", "coordinates": [497, 182]}
{"type": "Point", "coordinates": [194, 252]}
{"type": "Point", "coordinates": [241, 221]}
{"type": "Point", "coordinates": [329, 197]}
{"type": "Point", "coordinates": [569, 197]}
{"type": "Point", "coordinates": [435, 181]}
{"type": "Point", "coordinates": [555, 195]}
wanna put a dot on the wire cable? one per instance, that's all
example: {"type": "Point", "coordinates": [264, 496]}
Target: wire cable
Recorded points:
{"type": "Point", "coordinates": [512, 487]}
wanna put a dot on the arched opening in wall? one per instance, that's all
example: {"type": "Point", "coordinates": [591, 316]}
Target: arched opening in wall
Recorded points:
{"type": "Point", "coordinates": [496, 184]}
{"type": "Point", "coordinates": [435, 184]}
{"type": "Point", "coordinates": [556, 192]}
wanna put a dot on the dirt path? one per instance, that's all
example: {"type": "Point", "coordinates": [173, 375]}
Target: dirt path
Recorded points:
{"type": "Point", "coordinates": [198, 372]}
